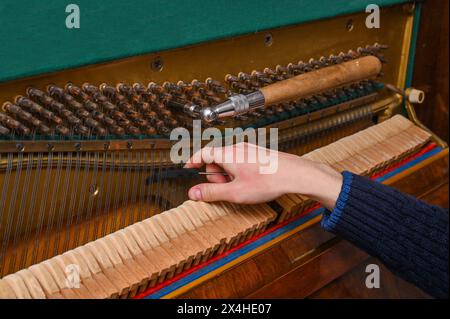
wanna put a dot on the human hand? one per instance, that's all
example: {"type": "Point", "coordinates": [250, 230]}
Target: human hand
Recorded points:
{"type": "Point", "coordinates": [250, 182]}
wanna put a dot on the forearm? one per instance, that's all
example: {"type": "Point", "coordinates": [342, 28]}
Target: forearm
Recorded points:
{"type": "Point", "coordinates": [409, 236]}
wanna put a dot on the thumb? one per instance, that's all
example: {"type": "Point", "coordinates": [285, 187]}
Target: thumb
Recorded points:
{"type": "Point", "coordinates": [211, 192]}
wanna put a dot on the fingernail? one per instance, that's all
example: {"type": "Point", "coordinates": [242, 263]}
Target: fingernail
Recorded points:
{"type": "Point", "coordinates": [196, 194]}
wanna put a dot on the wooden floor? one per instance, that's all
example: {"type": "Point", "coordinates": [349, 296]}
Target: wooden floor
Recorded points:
{"type": "Point", "coordinates": [316, 264]}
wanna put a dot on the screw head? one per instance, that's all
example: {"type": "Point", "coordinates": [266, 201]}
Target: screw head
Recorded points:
{"type": "Point", "coordinates": [20, 147]}
{"type": "Point", "coordinates": [157, 64]}
{"type": "Point", "coordinates": [268, 40]}
{"type": "Point", "coordinates": [94, 190]}
{"type": "Point", "coordinates": [349, 26]}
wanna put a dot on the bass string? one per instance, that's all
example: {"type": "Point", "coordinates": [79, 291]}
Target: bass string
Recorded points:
{"type": "Point", "coordinates": [161, 171]}
{"type": "Point", "coordinates": [72, 202]}
{"type": "Point", "coordinates": [144, 186]}
{"type": "Point", "coordinates": [11, 201]}
{"type": "Point", "coordinates": [42, 209]}
{"type": "Point", "coordinates": [117, 192]}
{"type": "Point", "coordinates": [63, 213]}
{"type": "Point", "coordinates": [124, 205]}
{"type": "Point", "coordinates": [52, 211]}
{"type": "Point", "coordinates": [31, 218]}
{"type": "Point", "coordinates": [81, 190]}
{"type": "Point", "coordinates": [149, 184]}
{"type": "Point", "coordinates": [135, 189]}
{"type": "Point", "coordinates": [101, 188]}
{"type": "Point", "coordinates": [105, 222]}
{"type": "Point", "coordinates": [21, 218]}
{"type": "Point", "coordinates": [141, 186]}
{"type": "Point", "coordinates": [164, 187]}
{"type": "Point", "coordinates": [93, 192]}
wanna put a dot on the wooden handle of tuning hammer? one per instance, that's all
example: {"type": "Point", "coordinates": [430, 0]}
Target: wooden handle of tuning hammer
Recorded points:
{"type": "Point", "coordinates": [315, 82]}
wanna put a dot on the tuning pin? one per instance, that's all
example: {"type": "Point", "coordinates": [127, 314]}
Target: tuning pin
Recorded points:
{"type": "Point", "coordinates": [37, 109]}
{"type": "Point", "coordinates": [155, 88]}
{"type": "Point", "coordinates": [90, 122]}
{"type": "Point", "coordinates": [90, 106]}
{"type": "Point", "coordinates": [124, 89]}
{"type": "Point", "coordinates": [214, 85]}
{"type": "Point", "coordinates": [260, 77]}
{"type": "Point", "coordinates": [4, 131]}
{"type": "Point", "coordinates": [166, 113]}
{"type": "Point", "coordinates": [108, 90]}
{"type": "Point", "coordinates": [380, 46]}
{"type": "Point", "coordinates": [196, 84]}
{"type": "Point", "coordinates": [346, 56]}
{"type": "Point", "coordinates": [364, 51]}
{"type": "Point", "coordinates": [132, 130]}
{"type": "Point", "coordinates": [81, 130]}
{"type": "Point", "coordinates": [288, 106]}
{"type": "Point", "coordinates": [35, 94]}
{"type": "Point", "coordinates": [149, 130]}
{"type": "Point", "coordinates": [55, 92]}
{"type": "Point", "coordinates": [116, 130]}
{"type": "Point", "coordinates": [62, 130]}
{"type": "Point", "coordinates": [269, 111]}
{"type": "Point", "coordinates": [171, 122]}
{"type": "Point", "coordinates": [334, 59]}
{"type": "Point", "coordinates": [281, 69]}
{"type": "Point", "coordinates": [231, 78]}
{"type": "Point", "coordinates": [244, 76]}
{"type": "Point", "coordinates": [107, 106]}
{"type": "Point", "coordinates": [23, 130]}
{"type": "Point", "coordinates": [165, 97]}
{"type": "Point", "coordinates": [9, 122]}
{"type": "Point", "coordinates": [315, 64]}
{"type": "Point", "coordinates": [278, 109]}
{"type": "Point", "coordinates": [213, 99]}
{"type": "Point", "coordinates": [82, 113]}
{"type": "Point", "coordinates": [151, 115]}
{"type": "Point", "coordinates": [76, 91]}
{"type": "Point", "coordinates": [89, 88]}
{"type": "Point", "coordinates": [278, 75]}
{"type": "Point", "coordinates": [172, 88]}
{"type": "Point", "coordinates": [185, 87]}
{"type": "Point", "coordinates": [200, 101]}
{"type": "Point", "coordinates": [17, 111]}
{"type": "Point", "coordinates": [139, 88]}
{"type": "Point", "coordinates": [142, 106]}
{"type": "Point", "coordinates": [132, 114]}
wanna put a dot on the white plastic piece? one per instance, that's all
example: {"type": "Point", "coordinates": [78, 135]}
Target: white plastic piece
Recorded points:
{"type": "Point", "coordinates": [416, 96]}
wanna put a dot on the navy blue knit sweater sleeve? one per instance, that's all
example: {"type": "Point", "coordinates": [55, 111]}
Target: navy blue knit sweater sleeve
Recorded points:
{"type": "Point", "coordinates": [409, 236]}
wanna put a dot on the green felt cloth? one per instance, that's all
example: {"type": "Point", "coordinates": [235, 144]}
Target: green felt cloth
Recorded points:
{"type": "Point", "coordinates": [35, 40]}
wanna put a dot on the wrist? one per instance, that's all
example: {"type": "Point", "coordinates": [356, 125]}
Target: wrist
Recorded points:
{"type": "Point", "coordinates": [318, 182]}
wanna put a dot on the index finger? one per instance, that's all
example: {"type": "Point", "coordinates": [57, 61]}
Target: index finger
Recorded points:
{"type": "Point", "coordinates": [207, 155]}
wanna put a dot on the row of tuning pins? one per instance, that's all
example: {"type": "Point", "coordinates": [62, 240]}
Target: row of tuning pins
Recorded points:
{"type": "Point", "coordinates": [38, 112]}
{"type": "Point", "coordinates": [204, 94]}
{"type": "Point", "coordinates": [72, 115]}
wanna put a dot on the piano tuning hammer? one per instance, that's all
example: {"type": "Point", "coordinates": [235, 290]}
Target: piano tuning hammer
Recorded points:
{"type": "Point", "coordinates": [297, 87]}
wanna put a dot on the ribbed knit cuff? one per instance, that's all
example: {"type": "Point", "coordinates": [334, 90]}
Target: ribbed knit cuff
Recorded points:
{"type": "Point", "coordinates": [331, 218]}
{"type": "Point", "coordinates": [406, 234]}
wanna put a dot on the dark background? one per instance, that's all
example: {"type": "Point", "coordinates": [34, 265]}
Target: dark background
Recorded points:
{"type": "Point", "coordinates": [431, 66]}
